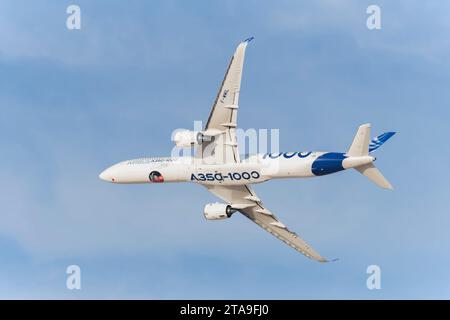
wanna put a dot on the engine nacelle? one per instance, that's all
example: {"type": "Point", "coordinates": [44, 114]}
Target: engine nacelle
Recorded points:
{"type": "Point", "coordinates": [185, 138]}
{"type": "Point", "coordinates": [218, 211]}
{"type": "Point", "coordinates": [188, 138]}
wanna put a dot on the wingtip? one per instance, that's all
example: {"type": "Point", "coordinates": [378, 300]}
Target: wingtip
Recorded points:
{"type": "Point", "coordinates": [248, 39]}
{"type": "Point", "coordinates": [389, 186]}
{"type": "Point", "coordinates": [323, 260]}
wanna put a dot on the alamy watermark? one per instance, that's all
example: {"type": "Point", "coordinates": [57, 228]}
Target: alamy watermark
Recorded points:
{"type": "Point", "coordinates": [73, 281]}
{"type": "Point", "coordinates": [73, 21]}
{"type": "Point", "coordinates": [374, 280]}
{"type": "Point", "coordinates": [373, 22]}
{"type": "Point", "coordinates": [216, 146]}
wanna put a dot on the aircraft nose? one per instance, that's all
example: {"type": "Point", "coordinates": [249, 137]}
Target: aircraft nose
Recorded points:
{"type": "Point", "coordinates": [107, 176]}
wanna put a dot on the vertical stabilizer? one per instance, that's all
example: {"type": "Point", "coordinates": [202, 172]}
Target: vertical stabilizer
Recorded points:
{"type": "Point", "coordinates": [361, 141]}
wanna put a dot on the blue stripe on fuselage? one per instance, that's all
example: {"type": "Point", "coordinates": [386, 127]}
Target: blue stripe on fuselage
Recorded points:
{"type": "Point", "coordinates": [328, 163]}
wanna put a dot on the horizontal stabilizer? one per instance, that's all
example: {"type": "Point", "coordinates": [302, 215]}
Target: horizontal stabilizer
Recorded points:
{"type": "Point", "coordinates": [371, 172]}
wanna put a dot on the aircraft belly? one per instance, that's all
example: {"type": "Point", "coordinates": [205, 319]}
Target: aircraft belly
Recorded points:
{"type": "Point", "coordinates": [288, 168]}
{"type": "Point", "coordinates": [233, 174]}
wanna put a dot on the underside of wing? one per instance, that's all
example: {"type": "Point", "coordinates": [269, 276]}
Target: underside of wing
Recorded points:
{"type": "Point", "coordinates": [247, 202]}
{"type": "Point", "coordinates": [222, 121]}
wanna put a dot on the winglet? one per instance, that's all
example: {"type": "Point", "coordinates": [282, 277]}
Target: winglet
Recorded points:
{"type": "Point", "coordinates": [248, 39]}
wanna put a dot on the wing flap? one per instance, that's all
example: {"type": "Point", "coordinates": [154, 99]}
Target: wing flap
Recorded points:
{"type": "Point", "coordinates": [263, 217]}
{"type": "Point", "coordinates": [223, 115]}
{"type": "Point", "coordinates": [227, 98]}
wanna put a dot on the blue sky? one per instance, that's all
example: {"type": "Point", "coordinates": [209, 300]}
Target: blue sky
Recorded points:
{"type": "Point", "coordinates": [75, 102]}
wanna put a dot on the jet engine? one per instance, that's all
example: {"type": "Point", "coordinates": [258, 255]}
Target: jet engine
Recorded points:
{"type": "Point", "coordinates": [188, 138]}
{"type": "Point", "coordinates": [218, 211]}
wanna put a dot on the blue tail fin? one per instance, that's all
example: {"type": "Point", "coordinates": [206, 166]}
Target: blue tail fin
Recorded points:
{"type": "Point", "coordinates": [377, 142]}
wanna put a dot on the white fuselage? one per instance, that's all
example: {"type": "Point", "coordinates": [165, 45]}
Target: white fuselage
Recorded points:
{"type": "Point", "coordinates": [255, 169]}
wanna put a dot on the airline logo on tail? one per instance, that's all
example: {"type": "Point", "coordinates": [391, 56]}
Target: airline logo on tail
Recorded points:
{"type": "Point", "coordinates": [379, 141]}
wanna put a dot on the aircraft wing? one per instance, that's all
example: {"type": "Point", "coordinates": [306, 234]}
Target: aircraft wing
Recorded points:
{"type": "Point", "coordinates": [247, 202]}
{"type": "Point", "coordinates": [222, 120]}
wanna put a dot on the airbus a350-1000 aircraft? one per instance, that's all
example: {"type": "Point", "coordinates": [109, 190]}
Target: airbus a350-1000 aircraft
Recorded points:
{"type": "Point", "coordinates": [216, 163]}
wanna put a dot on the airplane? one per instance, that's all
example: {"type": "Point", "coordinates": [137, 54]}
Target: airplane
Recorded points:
{"type": "Point", "coordinates": [218, 166]}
